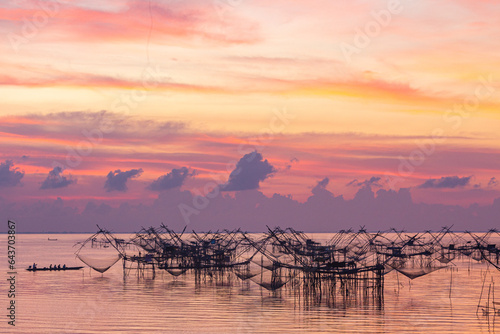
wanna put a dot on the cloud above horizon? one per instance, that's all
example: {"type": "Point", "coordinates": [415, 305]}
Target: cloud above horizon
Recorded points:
{"type": "Point", "coordinates": [249, 172]}
{"type": "Point", "coordinates": [173, 179]}
{"type": "Point", "coordinates": [117, 180]}
{"type": "Point", "coordinates": [493, 182]}
{"type": "Point", "coordinates": [322, 184]}
{"type": "Point", "coordinates": [449, 182]}
{"type": "Point", "coordinates": [55, 180]}
{"type": "Point", "coordinates": [88, 144]}
{"type": "Point", "coordinates": [252, 211]}
{"type": "Point", "coordinates": [373, 181]}
{"type": "Point", "coordinates": [9, 177]}
{"type": "Point", "coordinates": [320, 188]}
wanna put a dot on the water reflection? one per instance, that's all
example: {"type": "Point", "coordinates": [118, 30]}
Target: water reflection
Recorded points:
{"type": "Point", "coordinates": [88, 302]}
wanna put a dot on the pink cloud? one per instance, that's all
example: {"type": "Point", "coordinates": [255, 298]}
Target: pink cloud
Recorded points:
{"type": "Point", "coordinates": [161, 146]}
{"type": "Point", "coordinates": [178, 22]}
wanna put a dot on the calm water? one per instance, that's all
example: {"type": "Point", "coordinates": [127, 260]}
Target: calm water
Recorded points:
{"type": "Point", "coordinates": [85, 301]}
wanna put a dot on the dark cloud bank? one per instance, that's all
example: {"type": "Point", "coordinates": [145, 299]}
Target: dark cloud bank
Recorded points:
{"type": "Point", "coordinates": [447, 182]}
{"type": "Point", "coordinates": [249, 172]}
{"type": "Point", "coordinates": [117, 180]}
{"type": "Point", "coordinates": [55, 180]}
{"type": "Point", "coordinates": [173, 179]}
{"type": "Point", "coordinates": [248, 209]}
{"type": "Point", "coordinates": [9, 176]}
{"type": "Point", "coordinates": [252, 211]}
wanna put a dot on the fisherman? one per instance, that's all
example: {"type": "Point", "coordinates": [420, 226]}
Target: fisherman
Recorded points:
{"type": "Point", "coordinates": [34, 265]}
{"type": "Point", "coordinates": [64, 266]}
{"type": "Point", "coordinates": [58, 266]}
{"type": "Point", "coordinates": [50, 267]}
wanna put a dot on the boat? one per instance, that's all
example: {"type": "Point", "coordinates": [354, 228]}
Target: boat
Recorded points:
{"type": "Point", "coordinates": [54, 269]}
{"type": "Point", "coordinates": [51, 239]}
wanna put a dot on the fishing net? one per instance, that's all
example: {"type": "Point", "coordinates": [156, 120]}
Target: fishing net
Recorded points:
{"type": "Point", "coordinates": [247, 271]}
{"type": "Point", "coordinates": [176, 272]}
{"type": "Point", "coordinates": [99, 264]}
{"type": "Point", "coordinates": [496, 265]}
{"type": "Point", "coordinates": [273, 279]}
{"type": "Point", "coordinates": [413, 273]}
{"type": "Point", "coordinates": [446, 258]}
{"type": "Point", "coordinates": [264, 262]}
{"type": "Point", "coordinates": [243, 274]}
{"type": "Point", "coordinates": [100, 251]}
{"type": "Point", "coordinates": [175, 267]}
{"type": "Point", "coordinates": [387, 269]}
{"type": "Point", "coordinates": [270, 280]}
{"type": "Point", "coordinates": [272, 262]}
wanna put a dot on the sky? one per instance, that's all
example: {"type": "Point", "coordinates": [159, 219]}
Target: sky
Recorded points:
{"type": "Point", "coordinates": [319, 115]}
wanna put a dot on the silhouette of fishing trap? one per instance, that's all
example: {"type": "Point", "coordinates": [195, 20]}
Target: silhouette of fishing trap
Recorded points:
{"type": "Point", "coordinates": [346, 270]}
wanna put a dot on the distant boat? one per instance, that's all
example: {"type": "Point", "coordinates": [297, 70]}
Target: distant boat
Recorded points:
{"type": "Point", "coordinates": [51, 239]}
{"type": "Point", "coordinates": [53, 269]}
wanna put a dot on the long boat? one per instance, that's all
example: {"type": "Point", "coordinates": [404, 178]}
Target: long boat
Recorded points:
{"type": "Point", "coordinates": [53, 269]}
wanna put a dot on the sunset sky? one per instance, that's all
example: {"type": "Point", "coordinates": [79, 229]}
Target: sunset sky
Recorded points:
{"type": "Point", "coordinates": [120, 103]}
